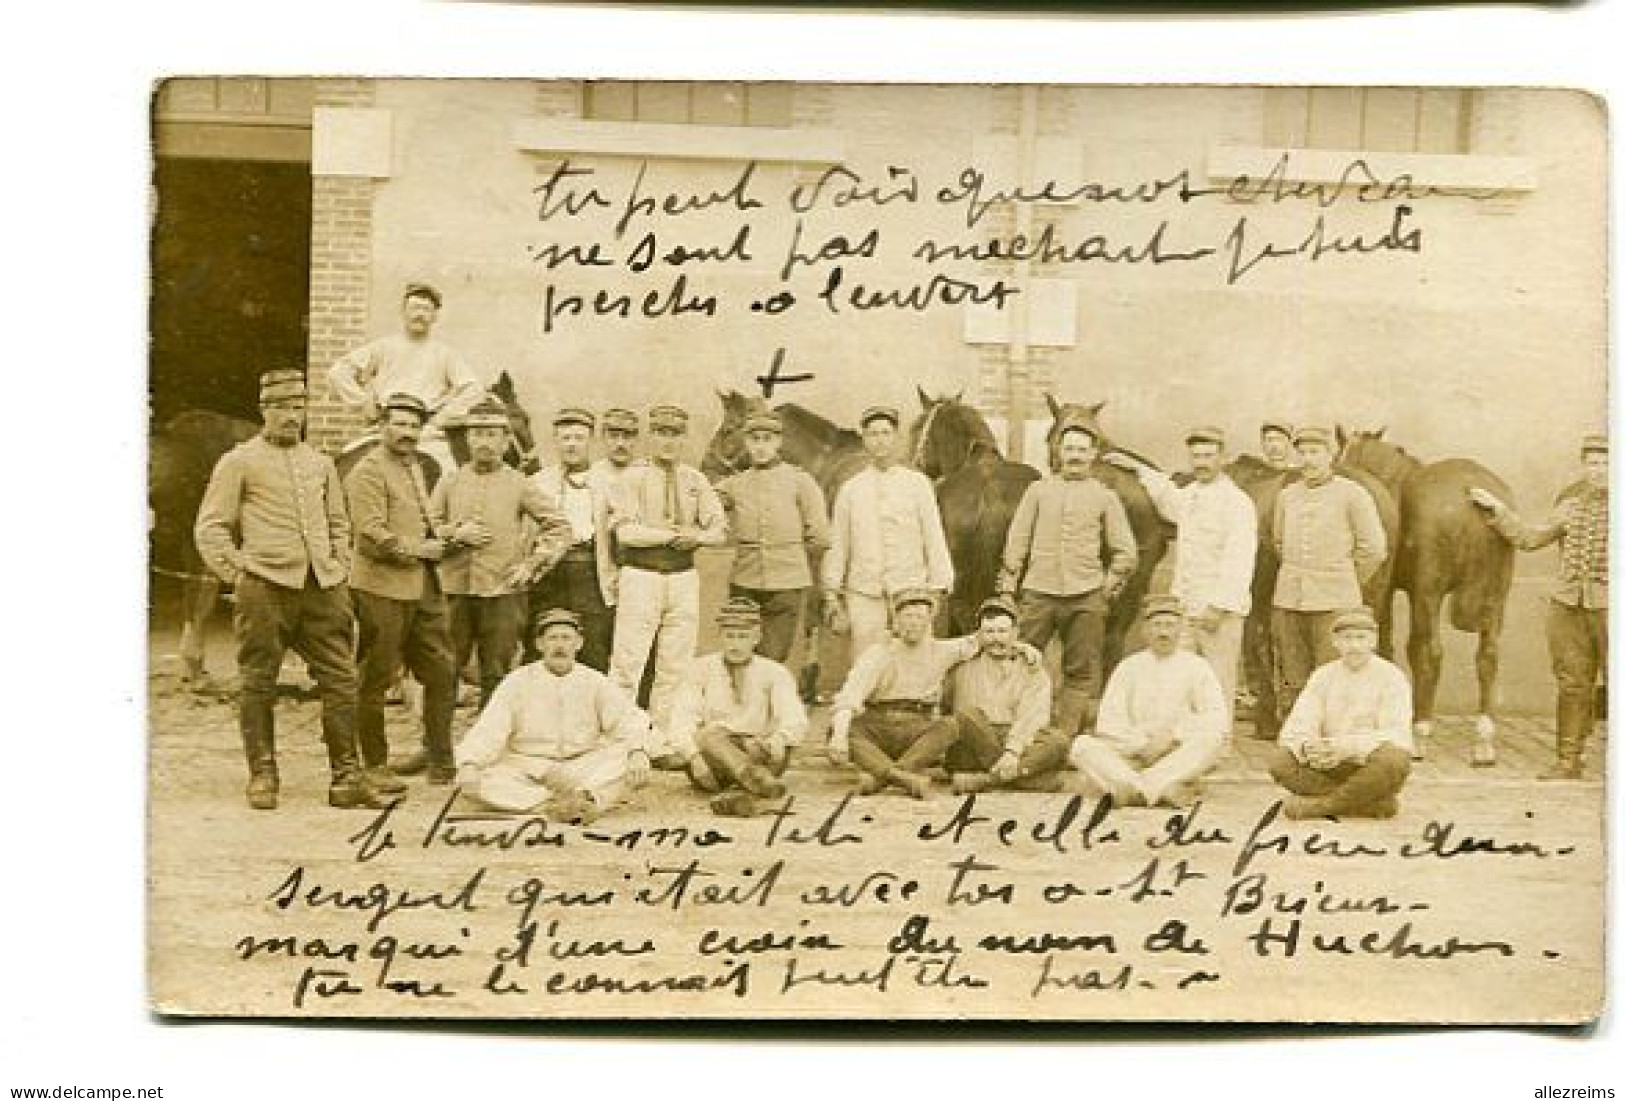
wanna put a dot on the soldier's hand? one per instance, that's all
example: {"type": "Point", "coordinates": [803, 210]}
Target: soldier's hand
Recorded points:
{"type": "Point", "coordinates": [1029, 653]}
{"type": "Point", "coordinates": [637, 768]}
{"type": "Point", "coordinates": [472, 533]}
{"type": "Point", "coordinates": [432, 550]}
{"type": "Point", "coordinates": [683, 541]}
{"type": "Point", "coordinates": [1006, 767]}
{"type": "Point", "coordinates": [1112, 587]}
{"type": "Point", "coordinates": [840, 750]}
{"type": "Point", "coordinates": [516, 578]}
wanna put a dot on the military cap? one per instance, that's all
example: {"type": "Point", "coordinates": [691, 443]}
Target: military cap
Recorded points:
{"type": "Point", "coordinates": [739, 611]}
{"type": "Point", "coordinates": [623, 419]}
{"type": "Point", "coordinates": [1593, 441]}
{"type": "Point", "coordinates": [409, 403]}
{"type": "Point", "coordinates": [1355, 619]}
{"type": "Point", "coordinates": [882, 413]}
{"type": "Point", "coordinates": [282, 384]}
{"type": "Point", "coordinates": [1311, 433]}
{"type": "Point", "coordinates": [903, 598]}
{"type": "Point", "coordinates": [668, 416]}
{"type": "Point", "coordinates": [421, 290]}
{"type": "Point", "coordinates": [486, 414]}
{"type": "Point", "coordinates": [1206, 433]}
{"type": "Point", "coordinates": [554, 617]}
{"type": "Point", "coordinates": [995, 605]}
{"type": "Point", "coordinates": [764, 421]}
{"type": "Point", "coordinates": [1284, 427]}
{"type": "Point", "coordinates": [1162, 604]}
{"type": "Point", "coordinates": [574, 414]}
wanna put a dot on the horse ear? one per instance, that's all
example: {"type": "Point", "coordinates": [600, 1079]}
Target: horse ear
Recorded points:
{"type": "Point", "coordinates": [1377, 435]}
{"type": "Point", "coordinates": [1054, 406]}
{"type": "Point", "coordinates": [959, 397]}
{"type": "Point", "coordinates": [1342, 436]}
{"type": "Point", "coordinates": [1094, 410]}
{"type": "Point", "coordinates": [925, 401]}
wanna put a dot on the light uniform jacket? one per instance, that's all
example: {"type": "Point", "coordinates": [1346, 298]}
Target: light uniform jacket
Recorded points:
{"type": "Point", "coordinates": [777, 518]}
{"type": "Point", "coordinates": [1055, 537]}
{"type": "Point", "coordinates": [1358, 711]}
{"type": "Point", "coordinates": [886, 536]}
{"type": "Point", "coordinates": [1011, 692]}
{"type": "Point", "coordinates": [427, 369]}
{"type": "Point", "coordinates": [277, 513]}
{"type": "Point", "coordinates": [758, 701]}
{"type": "Point", "coordinates": [605, 478]}
{"type": "Point", "coordinates": [1218, 541]}
{"type": "Point", "coordinates": [1330, 540]}
{"type": "Point", "coordinates": [650, 502]}
{"type": "Point", "coordinates": [503, 500]}
{"type": "Point", "coordinates": [389, 506]}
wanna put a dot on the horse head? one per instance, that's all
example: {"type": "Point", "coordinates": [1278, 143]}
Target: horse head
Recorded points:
{"type": "Point", "coordinates": [522, 451]}
{"type": "Point", "coordinates": [946, 434]}
{"type": "Point", "coordinates": [1365, 449]}
{"type": "Point", "coordinates": [726, 453]}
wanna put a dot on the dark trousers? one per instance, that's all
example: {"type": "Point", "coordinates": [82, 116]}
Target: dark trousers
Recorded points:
{"type": "Point", "coordinates": [1353, 789]}
{"type": "Point", "coordinates": [417, 634]}
{"type": "Point", "coordinates": [884, 739]}
{"type": "Point", "coordinates": [730, 754]}
{"type": "Point", "coordinates": [781, 613]}
{"type": "Point", "coordinates": [1303, 643]}
{"type": "Point", "coordinates": [980, 744]}
{"type": "Point", "coordinates": [1080, 621]}
{"type": "Point", "coordinates": [319, 625]}
{"type": "Point", "coordinates": [489, 626]}
{"type": "Point", "coordinates": [573, 585]}
{"type": "Point", "coordinates": [1577, 639]}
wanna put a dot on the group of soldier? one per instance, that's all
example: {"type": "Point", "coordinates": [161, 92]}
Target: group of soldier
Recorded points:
{"type": "Point", "coordinates": [588, 568]}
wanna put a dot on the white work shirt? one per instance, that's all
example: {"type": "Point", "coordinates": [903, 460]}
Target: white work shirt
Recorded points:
{"type": "Point", "coordinates": [1218, 541]}
{"type": "Point", "coordinates": [886, 535]}
{"type": "Point", "coordinates": [1147, 696]}
{"type": "Point", "coordinates": [535, 713]}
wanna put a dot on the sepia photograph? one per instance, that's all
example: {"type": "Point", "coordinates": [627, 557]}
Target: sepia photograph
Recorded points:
{"type": "Point", "coordinates": [767, 550]}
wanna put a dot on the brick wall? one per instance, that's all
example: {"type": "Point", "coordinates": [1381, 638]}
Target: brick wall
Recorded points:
{"type": "Point", "coordinates": [340, 274]}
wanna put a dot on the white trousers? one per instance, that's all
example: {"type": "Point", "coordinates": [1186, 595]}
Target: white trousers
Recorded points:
{"type": "Point", "coordinates": [1222, 647]}
{"type": "Point", "coordinates": [659, 611]}
{"type": "Point", "coordinates": [519, 782]}
{"type": "Point", "coordinates": [870, 620]}
{"type": "Point", "coordinates": [1120, 769]}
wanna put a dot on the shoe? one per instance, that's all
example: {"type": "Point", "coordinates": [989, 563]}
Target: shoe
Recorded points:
{"type": "Point", "coordinates": [1299, 807]}
{"type": "Point", "coordinates": [412, 764]}
{"type": "Point", "coordinates": [1384, 808]}
{"type": "Point", "coordinates": [1562, 770]}
{"type": "Point", "coordinates": [757, 780]}
{"type": "Point", "coordinates": [442, 775]}
{"type": "Point", "coordinates": [574, 808]}
{"type": "Point", "coordinates": [735, 804]}
{"type": "Point", "coordinates": [912, 782]}
{"type": "Point", "coordinates": [869, 784]}
{"type": "Point", "coordinates": [1045, 782]}
{"type": "Point", "coordinates": [969, 783]}
{"type": "Point", "coordinates": [351, 792]}
{"type": "Point", "coordinates": [383, 781]}
{"type": "Point", "coordinates": [263, 788]}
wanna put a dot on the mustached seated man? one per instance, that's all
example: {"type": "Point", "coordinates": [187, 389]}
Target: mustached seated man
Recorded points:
{"type": "Point", "coordinates": [1162, 722]}
{"type": "Point", "coordinates": [558, 737]}
{"type": "Point", "coordinates": [1001, 703]}
{"type": "Point", "coordinates": [885, 719]}
{"type": "Point", "coordinates": [1345, 749]}
{"type": "Point", "coordinates": [741, 714]}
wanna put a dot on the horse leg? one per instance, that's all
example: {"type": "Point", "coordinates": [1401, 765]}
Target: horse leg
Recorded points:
{"type": "Point", "coordinates": [1426, 657]}
{"type": "Point", "coordinates": [198, 599]}
{"type": "Point", "coordinates": [1260, 664]}
{"type": "Point", "coordinates": [1487, 660]}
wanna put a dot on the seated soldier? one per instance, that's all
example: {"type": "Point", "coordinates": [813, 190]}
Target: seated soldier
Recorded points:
{"type": "Point", "coordinates": [1345, 749]}
{"type": "Point", "coordinates": [1001, 704]}
{"type": "Point", "coordinates": [1162, 722]}
{"type": "Point", "coordinates": [557, 737]}
{"type": "Point", "coordinates": [885, 717]}
{"type": "Point", "coordinates": [740, 713]}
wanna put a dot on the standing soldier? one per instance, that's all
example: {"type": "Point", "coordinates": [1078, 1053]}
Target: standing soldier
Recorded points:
{"type": "Point", "coordinates": [398, 596]}
{"type": "Point", "coordinates": [777, 519]}
{"type": "Point", "coordinates": [578, 582]}
{"type": "Point", "coordinates": [885, 537]}
{"type": "Point", "coordinates": [1275, 444]}
{"type": "Point", "coordinates": [659, 514]}
{"type": "Point", "coordinates": [480, 510]}
{"type": "Point", "coordinates": [410, 362]}
{"type": "Point", "coordinates": [1577, 621]}
{"type": "Point", "coordinates": [1213, 563]}
{"type": "Point", "coordinates": [273, 524]}
{"type": "Point", "coordinates": [1330, 541]}
{"type": "Point", "coordinates": [1052, 557]}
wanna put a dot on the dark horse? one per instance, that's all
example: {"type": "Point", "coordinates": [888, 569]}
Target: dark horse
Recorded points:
{"type": "Point", "coordinates": [1151, 532]}
{"type": "Point", "coordinates": [1446, 548]}
{"type": "Point", "coordinates": [978, 490]}
{"type": "Point", "coordinates": [521, 453]}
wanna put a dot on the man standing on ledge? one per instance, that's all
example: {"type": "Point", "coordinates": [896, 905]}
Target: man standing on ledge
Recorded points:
{"type": "Point", "coordinates": [1001, 704]}
{"type": "Point", "coordinates": [581, 493]}
{"type": "Point", "coordinates": [885, 537]}
{"type": "Point", "coordinates": [1577, 619]}
{"type": "Point", "coordinates": [557, 737]}
{"type": "Point", "coordinates": [1345, 749]}
{"type": "Point", "coordinates": [398, 596]}
{"type": "Point", "coordinates": [273, 523]}
{"type": "Point", "coordinates": [1162, 719]}
{"type": "Point", "coordinates": [739, 714]}
{"type": "Point", "coordinates": [659, 515]}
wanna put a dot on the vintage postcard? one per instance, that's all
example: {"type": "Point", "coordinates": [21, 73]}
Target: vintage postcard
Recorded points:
{"type": "Point", "coordinates": [758, 550]}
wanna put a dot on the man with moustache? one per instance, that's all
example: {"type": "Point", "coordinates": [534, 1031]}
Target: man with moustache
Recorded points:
{"type": "Point", "coordinates": [1052, 558]}
{"type": "Point", "coordinates": [398, 596]}
{"type": "Point", "coordinates": [1275, 445]}
{"type": "Point", "coordinates": [576, 581]}
{"type": "Point", "coordinates": [1577, 617]}
{"type": "Point", "coordinates": [1345, 748]}
{"type": "Point", "coordinates": [557, 737]}
{"type": "Point", "coordinates": [1330, 540]}
{"type": "Point", "coordinates": [273, 524]}
{"type": "Point", "coordinates": [777, 519]}
{"type": "Point", "coordinates": [738, 714]}
{"type": "Point", "coordinates": [481, 509]}
{"type": "Point", "coordinates": [886, 537]}
{"type": "Point", "coordinates": [1162, 720]}
{"type": "Point", "coordinates": [1213, 561]}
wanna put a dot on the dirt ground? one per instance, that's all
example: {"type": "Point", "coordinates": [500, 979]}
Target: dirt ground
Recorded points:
{"type": "Point", "coordinates": [1482, 901]}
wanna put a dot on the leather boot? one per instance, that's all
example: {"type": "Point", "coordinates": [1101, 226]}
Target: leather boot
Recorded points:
{"type": "Point", "coordinates": [1573, 720]}
{"type": "Point", "coordinates": [349, 788]}
{"type": "Point", "coordinates": [259, 747]}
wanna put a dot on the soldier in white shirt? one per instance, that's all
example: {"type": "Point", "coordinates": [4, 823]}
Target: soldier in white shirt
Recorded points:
{"type": "Point", "coordinates": [581, 492]}
{"type": "Point", "coordinates": [885, 537]}
{"type": "Point", "coordinates": [557, 737]}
